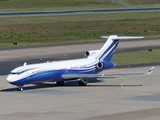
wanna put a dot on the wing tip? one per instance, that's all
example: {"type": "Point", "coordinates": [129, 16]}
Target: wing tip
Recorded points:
{"type": "Point", "coordinates": [151, 70]}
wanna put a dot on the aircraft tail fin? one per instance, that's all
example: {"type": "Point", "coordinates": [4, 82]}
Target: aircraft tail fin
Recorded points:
{"type": "Point", "coordinates": [109, 48]}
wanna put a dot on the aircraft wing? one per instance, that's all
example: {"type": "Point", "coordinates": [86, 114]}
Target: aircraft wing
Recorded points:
{"type": "Point", "coordinates": [70, 76]}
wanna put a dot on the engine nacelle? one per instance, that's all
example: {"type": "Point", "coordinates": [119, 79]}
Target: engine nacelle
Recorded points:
{"type": "Point", "coordinates": [105, 65]}
{"type": "Point", "coordinates": [91, 53]}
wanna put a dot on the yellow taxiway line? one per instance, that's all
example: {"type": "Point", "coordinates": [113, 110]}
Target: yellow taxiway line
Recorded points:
{"type": "Point", "coordinates": [136, 92]}
{"type": "Point", "coordinates": [5, 88]}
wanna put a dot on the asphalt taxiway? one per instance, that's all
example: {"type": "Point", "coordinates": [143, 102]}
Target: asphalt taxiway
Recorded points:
{"type": "Point", "coordinates": [112, 98]}
{"type": "Point", "coordinates": [73, 12]}
{"type": "Point", "coordinates": [122, 98]}
{"type": "Point", "coordinates": [14, 57]}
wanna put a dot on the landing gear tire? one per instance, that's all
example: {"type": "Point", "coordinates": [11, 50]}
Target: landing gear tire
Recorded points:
{"type": "Point", "coordinates": [60, 83]}
{"type": "Point", "coordinates": [20, 89]}
{"type": "Point", "coordinates": [81, 82]}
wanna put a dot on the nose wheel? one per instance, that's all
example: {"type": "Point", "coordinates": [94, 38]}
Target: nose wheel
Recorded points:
{"type": "Point", "coordinates": [20, 88]}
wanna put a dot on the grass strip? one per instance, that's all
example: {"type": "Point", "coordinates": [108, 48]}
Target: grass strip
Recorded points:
{"type": "Point", "coordinates": [41, 5]}
{"type": "Point", "coordinates": [137, 57]}
{"type": "Point", "coordinates": [50, 5]}
{"type": "Point", "coordinates": [142, 3]}
{"type": "Point", "coordinates": [45, 30]}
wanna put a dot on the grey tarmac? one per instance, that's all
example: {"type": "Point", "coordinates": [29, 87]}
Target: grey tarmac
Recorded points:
{"type": "Point", "coordinates": [51, 51]}
{"type": "Point", "coordinates": [112, 98]}
{"type": "Point", "coordinates": [122, 98]}
{"type": "Point", "coordinates": [73, 12]}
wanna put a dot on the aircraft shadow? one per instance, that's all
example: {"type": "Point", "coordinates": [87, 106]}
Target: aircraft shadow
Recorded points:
{"type": "Point", "coordinates": [37, 86]}
{"type": "Point", "coordinates": [114, 85]}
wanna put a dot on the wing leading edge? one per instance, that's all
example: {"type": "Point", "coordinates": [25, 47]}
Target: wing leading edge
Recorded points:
{"type": "Point", "coordinates": [70, 76]}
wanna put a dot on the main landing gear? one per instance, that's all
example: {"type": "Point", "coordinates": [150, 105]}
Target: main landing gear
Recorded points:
{"type": "Point", "coordinates": [60, 83]}
{"type": "Point", "coordinates": [81, 82]}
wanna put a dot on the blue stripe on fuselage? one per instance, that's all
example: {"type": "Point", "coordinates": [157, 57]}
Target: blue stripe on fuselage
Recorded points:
{"type": "Point", "coordinates": [112, 47]}
{"type": "Point", "coordinates": [52, 75]}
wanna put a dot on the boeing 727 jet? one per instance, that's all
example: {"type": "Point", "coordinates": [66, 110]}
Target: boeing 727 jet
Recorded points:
{"type": "Point", "coordinates": [60, 71]}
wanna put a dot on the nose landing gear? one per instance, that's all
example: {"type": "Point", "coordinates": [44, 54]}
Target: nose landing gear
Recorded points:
{"type": "Point", "coordinates": [20, 88]}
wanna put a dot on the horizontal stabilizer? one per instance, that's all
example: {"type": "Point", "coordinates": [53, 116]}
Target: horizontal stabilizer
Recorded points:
{"type": "Point", "coordinates": [114, 37]}
{"type": "Point", "coordinates": [105, 37]}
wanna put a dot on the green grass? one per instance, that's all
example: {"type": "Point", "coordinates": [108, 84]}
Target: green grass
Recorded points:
{"type": "Point", "coordinates": [76, 28]}
{"type": "Point", "coordinates": [50, 5]}
{"type": "Point", "coordinates": [137, 57]}
{"type": "Point", "coordinates": [142, 3]}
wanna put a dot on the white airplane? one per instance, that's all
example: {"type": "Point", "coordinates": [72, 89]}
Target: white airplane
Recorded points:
{"type": "Point", "coordinates": [60, 71]}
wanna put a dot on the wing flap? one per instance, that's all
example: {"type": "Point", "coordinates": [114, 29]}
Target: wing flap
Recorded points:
{"type": "Point", "coordinates": [71, 76]}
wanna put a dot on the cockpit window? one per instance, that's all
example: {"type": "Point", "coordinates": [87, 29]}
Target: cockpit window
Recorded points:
{"type": "Point", "coordinates": [14, 73]}
{"type": "Point", "coordinates": [20, 72]}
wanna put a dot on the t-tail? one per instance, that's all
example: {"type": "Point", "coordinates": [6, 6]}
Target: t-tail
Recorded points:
{"type": "Point", "coordinates": [110, 46]}
{"type": "Point", "coordinates": [108, 49]}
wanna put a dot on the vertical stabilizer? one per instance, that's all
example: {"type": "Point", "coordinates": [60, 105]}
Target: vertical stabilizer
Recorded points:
{"type": "Point", "coordinates": [109, 48]}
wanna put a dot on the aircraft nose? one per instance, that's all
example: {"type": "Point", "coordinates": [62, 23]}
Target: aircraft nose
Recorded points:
{"type": "Point", "coordinates": [10, 78]}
